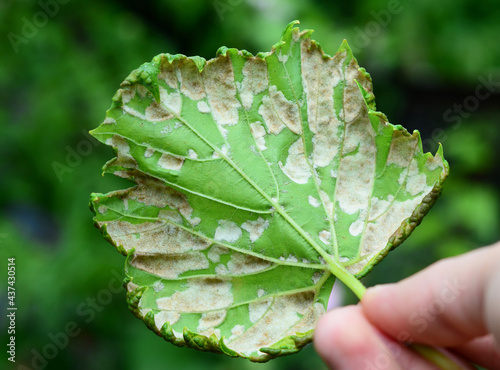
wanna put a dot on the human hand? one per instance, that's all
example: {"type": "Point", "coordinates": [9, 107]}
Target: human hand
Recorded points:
{"type": "Point", "coordinates": [452, 304]}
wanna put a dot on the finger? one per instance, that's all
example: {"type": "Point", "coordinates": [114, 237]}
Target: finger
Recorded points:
{"type": "Point", "coordinates": [482, 351]}
{"type": "Point", "coordinates": [492, 303]}
{"type": "Point", "coordinates": [442, 305]}
{"type": "Point", "coordinates": [346, 340]}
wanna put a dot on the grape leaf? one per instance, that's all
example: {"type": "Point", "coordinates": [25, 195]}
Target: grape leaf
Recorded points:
{"type": "Point", "coordinates": [258, 179]}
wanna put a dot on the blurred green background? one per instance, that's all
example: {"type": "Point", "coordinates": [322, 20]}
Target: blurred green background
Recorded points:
{"type": "Point", "coordinates": [430, 62]}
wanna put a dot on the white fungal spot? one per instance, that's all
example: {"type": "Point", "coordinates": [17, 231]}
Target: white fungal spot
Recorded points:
{"type": "Point", "coordinates": [166, 130]}
{"type": "Point", "coordinates": [131, 286]}
{"type": "Point", "coordinates": [292, 258]}
{"type": "Point", "coordinates": [170, 266]}
{"type": "Point", "coordinates": [343, 259]}
{"type": "Point", "coordinates": [171, 215]}
{"type": "Point", "coordinates": [314, 202]}
{"type": "Point", "coordinates": [283, 58]}
{"type": "Point", "coordinates": [109, 121]}
{"type": "Point", "coordinates": [166, 316]}
{"type": "Point", "coordinates": [254, 81]}
{"type": "Point", "coordinates": [167, 74]}
{"type": "Point", "coordinates": [218, 79]}
{"type": "Point", "coordinates": [172, 101]}
{"type": "Point", "coordinates": [353, 192]}
{"type": "Point", "coordinates": [236, 331]}
{"type": "Point", "coordinates": [201, 295]}
{"type": "Point", "coordinates": [223, 151]}
{"type": "Point", "coordinates": [210, 320]}
{"type": "Point", "coordinates": [102, 209]}
{"type": "Point", "coordinates": [379, 206]}
{"type": "Point", "coordinates": [320, 75]}
{"type": "Point", "coordinates": [215, 252]}
{"type": "Point", "coordinates": [278, 112]}
{"type": "Point", "coordinates": [296, 167]}
{"type": "Point", "coordinates": [402, 177]}
{"type": "Point", "coordinates": [434, 163]}
{"type": "Point", "coordinates": [308, 320]}
{"type": "Point", "coordinates": [416, 182]}
{"type": "Point", "coordinates": [203, 107]}
{"type": "Point", "coordinates": [156, 113]}
{"type": "Point", "coordinates": [170, 162]}
{"type": "Point", "coordinates": [122, 147]}
{"type": "Point", "coordinates": [258, 308]}
{"type": "Point", "coordinates": [402, 148]}
{"type": "Point", "coordinates": [327, 202]}
{"type": "Point", "coordinates": [158, 286]}
{"type": "Point", "coordinates": [382, 227]}
{"type": "Point", "coordinates": [119, 143]}
{"type": "Point", "coordinates": [255, 228]}
{"type": "Point", "coordinates": [316, 277]}
{"type": "Point", "coordinates": [356, 227]}
{"type": "Point", "coordinates": [241, 264]}
{"type": "Point", "coordinates": [221, 270]}
{"type": "Point", "coordinates": [127, 95]}
{"type": "Point", "coordinates": [155, 237]}
{"type": "Point", "coordinates": [272, 121]}
{"type": "Point", "coordinates": [261, 292]}
{"type": "Point", "coordinates": [281, 316]}
{"type": "Point", "coordinates": [142, 91]}
{"type": "Point", "coordinates": [148, 153]}
{"type": "Point", "coordinates": [154, 193]}
{"type": "Point", "coordinates": [325, 236]}
{"type": "Point", "coordinates": [192, 154]}
{"type": "Point", "coordinates": [188, 75]}
{"type": "Point", "coordinates": [259, 134]}
{"type": "Point", "coordinates": [227, 231]}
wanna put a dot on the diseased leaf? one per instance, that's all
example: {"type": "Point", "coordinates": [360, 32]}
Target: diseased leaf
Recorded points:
{"type": "Point", "coordinates": [258, 179]}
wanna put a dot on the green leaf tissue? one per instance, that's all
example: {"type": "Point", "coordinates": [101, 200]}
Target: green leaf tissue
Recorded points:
{"type": "Point", "coordinates": [258, 181]}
